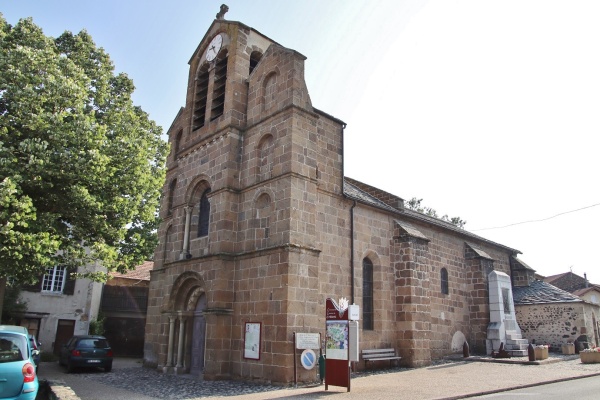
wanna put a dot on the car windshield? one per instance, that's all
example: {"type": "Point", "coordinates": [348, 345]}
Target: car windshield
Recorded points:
{"type": "Point", "coordinates": [93, 343]}
{"type": "Point", "coordinates": [12, 348]}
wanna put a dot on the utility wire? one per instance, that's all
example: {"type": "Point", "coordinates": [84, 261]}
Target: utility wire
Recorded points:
{"type": "Point", "coordinates": [536, 220]}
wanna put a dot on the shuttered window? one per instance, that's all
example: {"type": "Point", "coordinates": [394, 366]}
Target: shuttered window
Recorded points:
{"type": "Point", "coordinates": [201, 97]}
{"type": "Point", "coordinates": [218, 97]}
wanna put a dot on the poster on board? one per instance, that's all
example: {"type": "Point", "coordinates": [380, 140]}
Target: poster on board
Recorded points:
{"type": "Point", "coordinates": [337, 340]}
{"type": "Point", "coordinates": [252, 340]}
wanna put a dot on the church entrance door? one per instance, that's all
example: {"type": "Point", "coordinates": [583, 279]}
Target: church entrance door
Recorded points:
{"type": "Point", "coordinates": [198, 337]}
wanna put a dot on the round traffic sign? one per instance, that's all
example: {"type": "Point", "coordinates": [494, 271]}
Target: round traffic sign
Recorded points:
{"type": "Point", "coordinates": [308, 359]}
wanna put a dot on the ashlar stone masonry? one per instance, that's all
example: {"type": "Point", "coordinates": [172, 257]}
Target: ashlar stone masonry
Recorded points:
{"type": "Point", "coordinates": [260, 225]}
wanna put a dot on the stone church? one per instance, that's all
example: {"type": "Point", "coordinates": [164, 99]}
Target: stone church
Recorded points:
{"type": "Point", "coordinates": [260, 225]}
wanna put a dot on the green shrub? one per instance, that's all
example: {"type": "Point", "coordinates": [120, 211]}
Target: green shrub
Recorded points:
{"type": "Point", "coordinates": [97, 326]}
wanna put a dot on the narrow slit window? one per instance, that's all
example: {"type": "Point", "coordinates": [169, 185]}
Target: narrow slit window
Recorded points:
{"type": "Point", "coordinates": [368, 322]}
{"type": "Point", "coordinates": [204, 214]}
{"type": "Point", "coordinates": [444, 280]}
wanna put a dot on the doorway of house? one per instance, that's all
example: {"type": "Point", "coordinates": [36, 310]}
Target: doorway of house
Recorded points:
{"type": "Point", "coordinates": [198, 337]}
{"type": "Point", "coordinates": [64, 332]}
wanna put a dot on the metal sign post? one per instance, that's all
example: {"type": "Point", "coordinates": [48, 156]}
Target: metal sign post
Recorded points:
{"type": "Point", "coordinates": [337, 361]}
{"type": "Point", "coordinates": [306, 342]}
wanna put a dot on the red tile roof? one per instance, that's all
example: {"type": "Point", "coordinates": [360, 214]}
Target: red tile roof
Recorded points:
{"type": "Point", "coordinates": [141, 272]}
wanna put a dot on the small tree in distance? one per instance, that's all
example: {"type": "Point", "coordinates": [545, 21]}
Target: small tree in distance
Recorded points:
{"type": "Point", "coordinates": [415, 205]}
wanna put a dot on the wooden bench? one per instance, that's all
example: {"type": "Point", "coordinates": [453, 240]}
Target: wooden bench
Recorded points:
{"type": "Point", "coordinates": [379, 355]}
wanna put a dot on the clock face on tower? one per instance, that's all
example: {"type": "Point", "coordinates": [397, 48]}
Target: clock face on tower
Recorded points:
{"type": "Point", "coordinates": [214, 47]}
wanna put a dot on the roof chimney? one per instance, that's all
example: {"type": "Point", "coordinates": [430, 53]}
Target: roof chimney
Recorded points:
{"type": "Point", "coordinates": [587, 284]}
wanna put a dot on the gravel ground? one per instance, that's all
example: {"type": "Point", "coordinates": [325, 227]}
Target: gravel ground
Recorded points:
{"type": "Point", "coordinates": [144, 383]}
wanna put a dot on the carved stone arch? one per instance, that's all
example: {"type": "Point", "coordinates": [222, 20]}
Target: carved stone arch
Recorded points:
{"type": "Point", "coordinates": [197, 199]}
{"type": "Point", "coordinates": [263, 202]}
{"type": "Point", "coordinates": [202, 66]}
{"type": "Point", "coordinates": [186, 290]}
{"type": "Point", "coordinates": [269, 86]}
{"type": "Point", "coordinates": [371, 255]}
{"type": "Point", "coordinates": [198, 184]}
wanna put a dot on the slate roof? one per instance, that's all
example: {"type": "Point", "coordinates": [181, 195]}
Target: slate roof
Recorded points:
{"type": "Point", "coordinates": [552, 278]}
{"type": "Point", "coordinates": [479, 252]}
{"type": "Point", "coordinates": [522, 264]}
{"type": "Point", "coordinates": [140, 273]}
{"type": "Point", "coordinates": [540, 292]}
{"type": "Point", "coordinates": [355, 193]}
{"type": "Point", "coordinates": [411, 230]}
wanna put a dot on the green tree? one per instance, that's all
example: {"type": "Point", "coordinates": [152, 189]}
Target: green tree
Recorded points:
{"type": "Point", "coordinates": [14, 306]}
{"type": "Point", "coordinates": [81, 167]}
{"type": "Point", "coordinates": [415, 205]}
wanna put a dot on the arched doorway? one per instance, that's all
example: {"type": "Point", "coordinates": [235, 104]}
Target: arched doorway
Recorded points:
{"type": "Point", "coordinates": [198, 337]}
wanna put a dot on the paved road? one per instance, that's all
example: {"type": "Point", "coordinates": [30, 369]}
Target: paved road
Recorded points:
{"type": "Point", "coordinates": [581, 389]}
{"type": "Point", "coordinates": [454, 380]}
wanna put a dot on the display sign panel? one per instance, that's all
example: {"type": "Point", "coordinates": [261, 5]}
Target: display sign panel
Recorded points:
{"type": "Point", "coordinates": [308, 341]}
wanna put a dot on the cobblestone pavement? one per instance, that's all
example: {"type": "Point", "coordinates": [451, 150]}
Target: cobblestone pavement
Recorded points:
{"type": "Point", "coordinates": [452, 378]}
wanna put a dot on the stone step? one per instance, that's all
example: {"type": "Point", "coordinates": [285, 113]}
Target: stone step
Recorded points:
{"type": "Point", "coordinates": [519, 347]}
{"type": "Point", "coordinates": [518, 353]}
{"type": "Point", "coordinates": [518, 342]}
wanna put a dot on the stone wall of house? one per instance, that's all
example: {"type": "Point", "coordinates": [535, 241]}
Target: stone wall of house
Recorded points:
{"type": "Point", "coordinates": [557, 323]}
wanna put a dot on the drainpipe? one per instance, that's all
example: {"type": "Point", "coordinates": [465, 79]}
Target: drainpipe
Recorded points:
{"type": "Point", "coordinates": [352, 252]}
{"type": "Point", "coordinates": [351, 224]}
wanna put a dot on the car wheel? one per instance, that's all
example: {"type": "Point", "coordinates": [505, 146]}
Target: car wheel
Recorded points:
{"type": "Point", "coordinates": [108, 368]}
{"type": "Point", "coordinates": [69, 367]}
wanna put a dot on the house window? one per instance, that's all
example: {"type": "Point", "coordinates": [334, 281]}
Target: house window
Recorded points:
{"type": "Point", "coordinates": [204, 214]}
{"type": "Point", "coordinates": [444, 280]}
{"type": "Point", "coordinates": [54, 280]}
{"type": "Point", "coordinates": [367, 295]}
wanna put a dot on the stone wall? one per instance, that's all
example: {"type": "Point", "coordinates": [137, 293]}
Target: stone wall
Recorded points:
{"type": "Point", "coordinates": [280, 239]}
{"type": "Point", "coordinates": [557, 323]}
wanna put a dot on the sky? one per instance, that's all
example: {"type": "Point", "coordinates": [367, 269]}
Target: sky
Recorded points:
{"type": "Point", "coordinates": [486, 110]}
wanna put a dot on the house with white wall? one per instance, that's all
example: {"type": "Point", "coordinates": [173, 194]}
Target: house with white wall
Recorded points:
{"type": "Point", "coordinates": [60, 306]}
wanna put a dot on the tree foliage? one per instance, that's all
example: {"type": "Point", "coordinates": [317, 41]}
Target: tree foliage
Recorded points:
{"type": "Point", "coordinates": [415, 205]}
{"type": "Point", "coordinates": [81, 167]}
{"type": "Point", "coordinates": [14, 306]}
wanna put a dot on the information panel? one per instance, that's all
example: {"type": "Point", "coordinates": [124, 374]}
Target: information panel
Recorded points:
{"type": "Point", "coordinates": [308, 341]}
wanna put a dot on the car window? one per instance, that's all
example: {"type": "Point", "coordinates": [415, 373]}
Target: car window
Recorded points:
{"type": "Point", "coordinates": [93, 343]}
{"type": "Point", "coordinates": [12, 348]}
